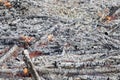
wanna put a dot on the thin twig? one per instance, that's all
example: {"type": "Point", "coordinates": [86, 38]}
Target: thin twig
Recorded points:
{"type": "Point", "coordinates": [30, 65]}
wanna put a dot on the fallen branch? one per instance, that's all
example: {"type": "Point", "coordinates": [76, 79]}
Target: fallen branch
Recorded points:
{"type": "Point", "coordinates": [73, 72]}
{"type": "Point", "coordinates": [30, 65]}
{"type": "Point", "coordinates": [10, 71]}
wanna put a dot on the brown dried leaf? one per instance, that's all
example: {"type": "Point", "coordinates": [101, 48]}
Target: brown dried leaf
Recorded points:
{"type": "Point", "coordinates": [27, 39]}
{"type": "Point", "coordinates": [7, 4]}
{"type": "Point", "coordinates": [35, 54]}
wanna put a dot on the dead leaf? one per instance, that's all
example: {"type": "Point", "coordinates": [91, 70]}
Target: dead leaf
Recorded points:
{"type": "Point", "coordinates": [7, 4]}
{"type": "Point", "coordinates": [35, 54]}
{"type": "Point", "coordinates": [27, 39]}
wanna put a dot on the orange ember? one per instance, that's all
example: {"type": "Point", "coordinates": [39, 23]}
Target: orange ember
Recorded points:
{"type": "Point", "coordinates": [109, 18]}
{"type": "Point", "coordinates": [25, 71]}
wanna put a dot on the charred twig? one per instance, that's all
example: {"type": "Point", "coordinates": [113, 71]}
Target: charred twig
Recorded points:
{"type": "Point", "coordinates": [30, 65]}
{"type": "Point", "coordinates": [44, 17]}
{"type": "Point", "coordinates": [115, 28]}
{"type": "Point", "coordinates": [107, 40]}
{"type": "Point", "coordinates": [113, 9]}
{"type": "Point", "coordinates": [14, 41]}
{"type": "Point", "coordinates": [9, 71]}
{"type": "Point", "coordinates": [9, 53]}
{"type": "Point", "coordinates": [8, 41]}
{"type": "Point", "coordinates": [72, 72]}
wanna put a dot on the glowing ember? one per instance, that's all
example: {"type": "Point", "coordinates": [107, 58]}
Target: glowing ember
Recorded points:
{"type": "Point", "coordinates": [25, 71]}
{"type": "Point", "coordinates": [108, 18]}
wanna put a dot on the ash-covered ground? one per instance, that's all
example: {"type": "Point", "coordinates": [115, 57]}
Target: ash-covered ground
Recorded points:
{"type": "Point", "coordinates": [84, 27]}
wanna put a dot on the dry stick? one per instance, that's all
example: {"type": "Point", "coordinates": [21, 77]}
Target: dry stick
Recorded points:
{"type": "Point", "coordinates": [9, 53]}
{"type": "Point", "coordinates": [10, 71]}
{"type": "Point", "coordinates": [69, 71]}
{"type": "Point", "coordinates": [30, 65]}
{"type": "Point", "coordinates": [72, 72]}
{"type": "Point", "coordinates": [81, 65]}
{"type": "Point", "coordinates": [109, 40]}
{"type": "Point", "coordinates": [98, 77]}
{"type": "Point", "coordinates": [115, 28]}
